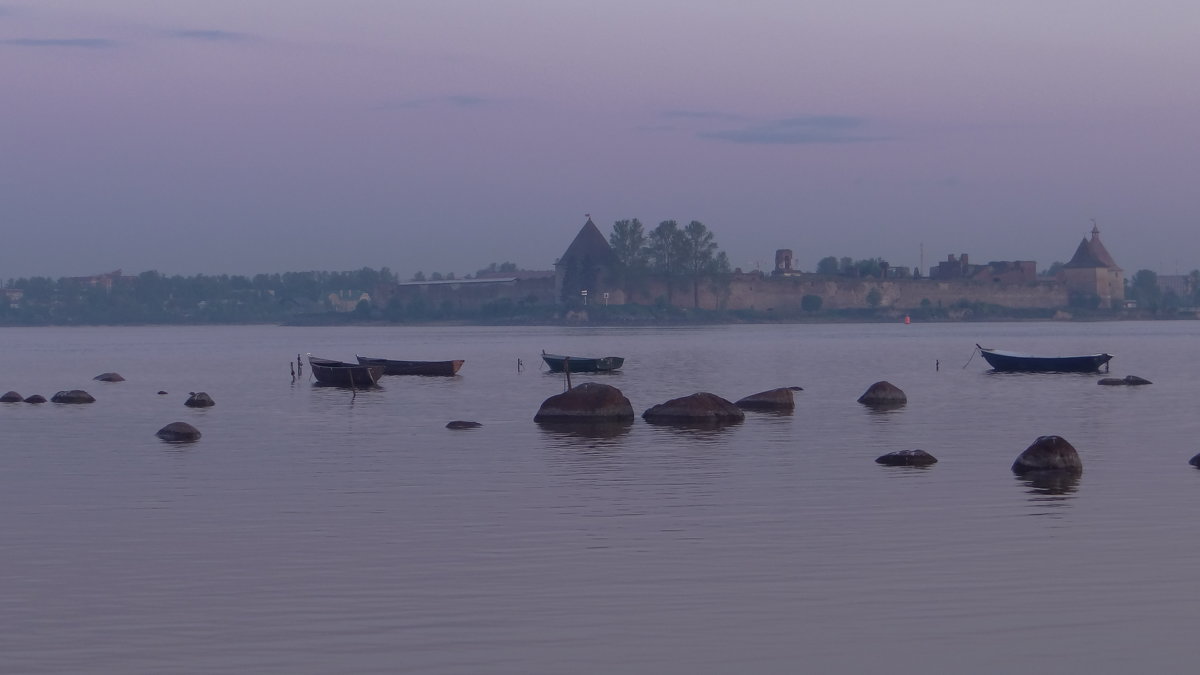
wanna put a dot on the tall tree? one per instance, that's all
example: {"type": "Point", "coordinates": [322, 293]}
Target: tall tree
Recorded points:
{"type": "Point", "coordinates": [663, 251]}
{"type": "Point", "coordinates": [628, 241]}
{"type": "Point", "coordinates": [698, 255]}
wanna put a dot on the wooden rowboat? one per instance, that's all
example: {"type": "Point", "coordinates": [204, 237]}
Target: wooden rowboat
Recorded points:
{"type": "Point", "coordinates": [393, 367]}
{"type": "Point", "coordinates": [582, 364]}
{"type": "Point", "coordinates": [1016, 362]}
{"type": "Point", "coordinates": [341, 374]}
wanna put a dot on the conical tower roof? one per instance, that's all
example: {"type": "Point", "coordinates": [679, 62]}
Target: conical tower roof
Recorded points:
{"type": "Point", "coordinates": [1091, 253]}
{"type": "Point", "coordinates": [590, 244]}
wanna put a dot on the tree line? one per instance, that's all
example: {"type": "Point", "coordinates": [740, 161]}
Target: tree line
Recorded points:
{"type": "Point", "coordinates": [689, 253]}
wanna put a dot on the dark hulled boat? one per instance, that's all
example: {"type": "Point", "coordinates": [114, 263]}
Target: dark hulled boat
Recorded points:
{"type": "Point", "coordinates": [1016, 362]}
{"type": "Point", "coordinates": [394, 367]}
{"type": "Point", "coordinates": [341, 374]}
{"type": "Point", "coordinates": [582, 364]}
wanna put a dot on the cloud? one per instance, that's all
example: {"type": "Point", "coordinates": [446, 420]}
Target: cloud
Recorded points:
{"type": "Point", "coordinates": [68, 43]}
{"type": "Point", "coordinates": [800, 130]}
{"type": "Point", "coordinates": [211, 35]}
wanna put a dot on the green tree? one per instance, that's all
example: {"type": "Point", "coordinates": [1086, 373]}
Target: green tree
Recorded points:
{"type": "Point", "coordinates": [874, 297]}
{"type": "Point", "coordinates": [698, 255]}
{"type": "Point", "coordinates": [1144, 289]}
{"type": "Point", "coordinates": [628, 241]}
{"type": "Point", "coordinates": [828, 265]}
{"type": "Point", "coordinates": [663, 252]}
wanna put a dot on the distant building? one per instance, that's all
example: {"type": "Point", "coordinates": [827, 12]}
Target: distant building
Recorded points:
{"type": "Point", "coordinates": [783, 263]}
{"type": "Point", "coordinates": [589, 264]}
{"type": "Point", "coordinates": [996, 271]}
{"type": "Point", "coordinates": [1093, 272]}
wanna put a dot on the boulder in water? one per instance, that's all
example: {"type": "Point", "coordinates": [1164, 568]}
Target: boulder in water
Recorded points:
{"type": "Point", "coordinates": [699, 408]}
{"type": "Point", "coordinates": [178, 432]}
{"type": "Point", "coordinates": [1195, 461]}
{"type": "Point", "coordinates": [109, 377]}
{"type": "Point", "coordinates": [907, 458]}
{"type": "Point", "coordinates": [463, 424]}
{"type": "Point", "coordinates": [36, 398]}
{"type": "Point", "coordinates": [1048, 453]}
{"type": "Point", "coordinates": [775, 399]}
{"type": "Point", "coordinates": [588, 402]}
{"type": "Point", "coordinates": [11, 397]}
{"type": "Point", "coordinates": [1131, 380]}
{"type": "Point", "coordinates": [883, 393]}
{"type": "Point", "coordinates": [73, 396]}
{"type": "Point", "coordinates": [199, 399]}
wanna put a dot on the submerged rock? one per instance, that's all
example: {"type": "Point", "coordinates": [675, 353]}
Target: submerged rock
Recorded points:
{"type": "Point", "coordinates": [883, 393]}
{"type": "Point", "coordinates": [1048, 453]}
{"type": "Point", "coordinates": [1195, 461]}
{"type": "Point", "coordinates": [109, 377]}
{"type": "Point", "coordinates": [588, 402]}
{"type": "Point", "coordinates": [1132, 380]}
{"type": "Point", "coordinates": [907, 458]}
{"type": "Point", "coordinates": [162, 393]}
{"type": "Point", "coordinates": [199, 399]}
{"type": "Point", "coordinates": [10, 397]}
{"type": "Point", "coordinates": [775, 399]}
{"type": "Point", "coordinates": [699, 408]}
{"type": "Point", "coordinates": [178, 432]}
{"type": "Point", "coordinates": [463, 424]}
{"type": "Point", "coordinates": [36, 398]}
{"type": "Point", "coordinates": [73, 396]}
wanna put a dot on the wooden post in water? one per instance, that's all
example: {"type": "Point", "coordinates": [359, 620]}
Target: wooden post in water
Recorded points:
{"type": "Point", "coordinates": [567, 370]}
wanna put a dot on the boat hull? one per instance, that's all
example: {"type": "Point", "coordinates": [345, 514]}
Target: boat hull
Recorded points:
{"type": "Point", "coordinates": [341, 374]}
{"type": "Point", "coordinates": [1025, 363]}
{"type": "Point", "coordinates": [581, 364]}
{"type": "Point", "coordinates": [394, 367]}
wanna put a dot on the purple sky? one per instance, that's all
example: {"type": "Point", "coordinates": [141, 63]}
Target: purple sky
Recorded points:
{"type": "Point", "coordinates": [246, 136]}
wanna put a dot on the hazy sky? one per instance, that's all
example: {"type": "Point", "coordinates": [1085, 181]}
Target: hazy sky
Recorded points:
{"type": "Point", "coordinates": [245, 136]}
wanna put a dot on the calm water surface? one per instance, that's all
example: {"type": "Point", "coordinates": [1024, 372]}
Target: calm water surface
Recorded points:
{"type": "Point", "coordinates": [315, 531]}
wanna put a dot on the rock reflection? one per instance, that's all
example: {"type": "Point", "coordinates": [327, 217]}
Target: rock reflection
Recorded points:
{"type": "Point", "coordinates": [576, 431]}
{"type": "Point", "coordinates": [1050, 488]}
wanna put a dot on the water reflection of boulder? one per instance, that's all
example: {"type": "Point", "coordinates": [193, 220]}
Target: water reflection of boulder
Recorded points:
{"type": "Point", "coordinates": [1050, 483]}
{"type": "Point", "coordinates": [586, 430]}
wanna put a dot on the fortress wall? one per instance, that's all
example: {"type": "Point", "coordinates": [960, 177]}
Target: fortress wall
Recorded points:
{"type": "Point", "coordinates": [784, 294]}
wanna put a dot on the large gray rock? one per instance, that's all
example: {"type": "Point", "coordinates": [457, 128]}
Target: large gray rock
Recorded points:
{"type": "Point", "coordinates": [699, 408]}
{"type": "Point", "coordinates": [109, 377]}
{"type": "Point", "coordinates": [587, 402]}
{"type": "Point", "coordinates": [883, 393]}
{"type": "Point", "coordinates": [179, 432]}
{"type": "Point", "coordinates": [1132, 380]}
{"type": "Point", "coordinates": [11, 397]}
{"type": "Point", "coordinates": [775, 399]}
{"type": "Point", "coordinates": [73, 396]}
{"type": "Point", "coordinates": [1048, 453]}
{"type": "Point", "coordinates": [36, 398]}
{"type": "Point", "coordinates": [199, 399]}
{"type": "Point", "coordinates": [907, 458]}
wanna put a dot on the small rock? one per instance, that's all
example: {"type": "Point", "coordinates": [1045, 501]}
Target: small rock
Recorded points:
{"type": "Point", "coordinates": [1132, 380]}
{"type": "Point", "coordinates": [162, 393]}
{"type": "Point", "coordinates": [109, 377]}
{"type": "Point", "coordinates": [883, 394]}
{"type": "Point", "coordinates": [73, 396]}
{"type": "Point", "coordinates": [907, 458]}
{"type": "Point", "coordinates": [462, 424]}
{"type": "Point", "coordinates": [199, 399]}
{"type": "Point", "coordinates": [36, 398]}
{"type": "Point", "coordinates": [11, 397]}
{"type": "Point", "coordinates": [775, 399]}
{"type": "Point", "coordinates": [1048, 453]}
{"type": "Point", "coordinates": [1195, 461]}
{"type": "Point", "coordinates": [178, 432]}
